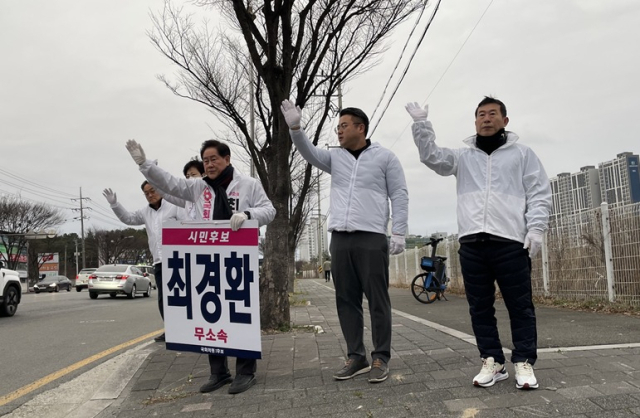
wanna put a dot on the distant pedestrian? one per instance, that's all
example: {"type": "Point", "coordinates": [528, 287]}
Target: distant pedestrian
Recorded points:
{"type": "Point", "coordinates": [364, 178]}
{"type": "Point", "coordinates": [152, 217]}
{"type": "Point", "coordinates": [327, 270]}
{"type": "Point", "coordinates": [504, 199]}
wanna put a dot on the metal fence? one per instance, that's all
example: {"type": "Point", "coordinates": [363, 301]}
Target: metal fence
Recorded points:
{"type": "Point", "coordinates": [593, 255]}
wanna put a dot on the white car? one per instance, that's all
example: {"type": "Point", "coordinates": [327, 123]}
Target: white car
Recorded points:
{"type": "Point", "coordinates": [10, 291]}
{"type": "Point", "coordinates": [114, 279]}
{"type": "Point", "coordinates": [151, 272]}
{"type": "Point", "coordinates": [82, 279]}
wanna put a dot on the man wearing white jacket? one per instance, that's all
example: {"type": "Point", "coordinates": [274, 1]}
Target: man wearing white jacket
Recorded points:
{"type": "Point", "coordinates": [504, 199]}
{"type": "Point", "coordinates": [364, 178]}
{"type": "Point", "coordinates": [152, 217]}
{"type": "Point", "coordinates": [224, 193]}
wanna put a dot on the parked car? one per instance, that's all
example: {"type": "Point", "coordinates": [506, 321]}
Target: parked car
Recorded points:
{"type": "Point", "coordinates": [53, 284]}
{"type": "Point", "coordinates": [151, 274]}
{"type": "Point", "coordinates": [114, 279]}
{"type": "Point", "coordinates": [82, 279]}
{"type": "Point", "coordinates": [10, 291]}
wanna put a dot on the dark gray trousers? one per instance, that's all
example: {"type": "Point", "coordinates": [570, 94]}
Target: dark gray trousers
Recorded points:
{"type": "Point", "coordinates": [360, 264]}
{"type": "Point", "coordinates": [157, 272]}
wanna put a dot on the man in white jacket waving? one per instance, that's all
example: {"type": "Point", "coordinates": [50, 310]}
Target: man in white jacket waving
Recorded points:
{"type": "Point", "coordinates": [364, 178]}
{"type": "Point", "coordinates": [222, 194]}
{"type": "Point", "coordinates": [504, 199]}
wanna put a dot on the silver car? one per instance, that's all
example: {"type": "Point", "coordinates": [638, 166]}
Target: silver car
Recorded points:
{"type": "Point", "coordinates": [114, 279]}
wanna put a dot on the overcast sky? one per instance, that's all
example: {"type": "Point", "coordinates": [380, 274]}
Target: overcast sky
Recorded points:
{"type": "Point", "coordinates": [78, 78]}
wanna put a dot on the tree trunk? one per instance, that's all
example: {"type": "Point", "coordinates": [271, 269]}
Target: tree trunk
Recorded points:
{"type": "Point", "coordinates": [274, 298]}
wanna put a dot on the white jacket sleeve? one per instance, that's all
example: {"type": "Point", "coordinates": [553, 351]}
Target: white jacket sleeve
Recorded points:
{"type": "Point", "coordinates": [261, 208]}
{"type": "Point", "coordinates": [538, 193]}
{"type": "Point", "coordinates": [316, 157]}
{"type": "Point", "coordinates": [443, 161]}
{"type": "Point", "coordinates": [176, 186]}
{"type": "Point", "coordinates": [399, 196]}
{"type": "Point", "coordinates": [126, 217]}
{"type": "Point", "coordinates": [176, 201]}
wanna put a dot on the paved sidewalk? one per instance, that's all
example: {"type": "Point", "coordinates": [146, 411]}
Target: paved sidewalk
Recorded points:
{"type": "Point", "coordinates": [430, 375]}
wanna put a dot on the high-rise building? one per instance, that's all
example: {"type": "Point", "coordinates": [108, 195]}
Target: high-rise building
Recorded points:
{"type": "Point", "coordinates": [573, 193]}
{"type": "Point", "coordinates": [620, 180]}
{"type": "Point", "coordinates": [314, 237]}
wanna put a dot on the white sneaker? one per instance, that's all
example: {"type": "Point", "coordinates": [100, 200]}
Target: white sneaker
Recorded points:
{"type": "Point", "coordinates": [525, 379]}
{"type": "Point", "coordinates": [490, 373]}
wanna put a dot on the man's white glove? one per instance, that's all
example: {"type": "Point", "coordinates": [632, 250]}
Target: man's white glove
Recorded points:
{"type": "Point", "coordinates": [136, 151]}
{"type": "Point", "coordinates": [417, 113]}
{"type": "Point", "coordinates": [396, 244]}
{"type": "Point", "coordinates": [292, 114]}
{"type": "Point", "coordinates": [237, 219]}
{"type": "Point", "coordinates": [533, 242]}
{"type": "Point", "coordinates": [110, 196]}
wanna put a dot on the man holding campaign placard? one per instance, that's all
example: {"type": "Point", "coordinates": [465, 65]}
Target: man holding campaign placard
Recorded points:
{"type": "Point", "coordinates": [213, 265]}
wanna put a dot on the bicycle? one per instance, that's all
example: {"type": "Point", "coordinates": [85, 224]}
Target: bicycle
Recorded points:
{"type": "Point", "coordinates": [429, 286]}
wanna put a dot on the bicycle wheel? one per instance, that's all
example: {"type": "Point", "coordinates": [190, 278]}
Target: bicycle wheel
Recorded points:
{"type": "Point", "coordinates": [422, 288]}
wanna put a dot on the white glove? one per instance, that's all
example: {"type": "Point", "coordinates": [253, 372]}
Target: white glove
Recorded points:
{"type": "Point", "coordinates": [110, 196]}
{"type": "Point", "coordinates": [292, 114]}
{"type": "Point", "coordinates": [136, 151]}
{"type": "Point", "coordinates": [417, 113]}
{"type": "Point", "coordinates": [237, 219]}
{"type": "Point", "coordinates": [533, 242]}
{"type": "Point", "coordinates": [396, 244]}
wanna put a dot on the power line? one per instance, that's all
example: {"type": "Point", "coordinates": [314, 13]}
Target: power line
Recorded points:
{"type": "Point", "coordinates": [15, 177]}
{"type": "Point", "coordinates": [404, 48]}
{"type": "Point", "coordinates": [404, 73]}
{"type": "Point", "coordinates": [448, 66]}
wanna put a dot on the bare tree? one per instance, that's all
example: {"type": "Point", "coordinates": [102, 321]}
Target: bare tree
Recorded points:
{"type": "Point", "coordinates": [275, 50]}
{"type": "Point", "coordinates": [19, 221]}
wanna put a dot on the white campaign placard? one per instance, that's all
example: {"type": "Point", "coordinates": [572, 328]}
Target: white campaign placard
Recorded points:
{"type": "Point", "coordinates": [210, 288]}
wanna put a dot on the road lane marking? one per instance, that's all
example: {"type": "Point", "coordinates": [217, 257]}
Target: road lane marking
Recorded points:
{"type": "Point", "coordinates": [63, 372]}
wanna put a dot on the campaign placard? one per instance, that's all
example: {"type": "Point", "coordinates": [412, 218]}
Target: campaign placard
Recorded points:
{"type": "Point", "coordinates": [210, 288]}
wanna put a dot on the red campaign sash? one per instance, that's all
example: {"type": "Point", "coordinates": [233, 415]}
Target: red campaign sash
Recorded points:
{"type": "Point", "coordinates": [206, 211]}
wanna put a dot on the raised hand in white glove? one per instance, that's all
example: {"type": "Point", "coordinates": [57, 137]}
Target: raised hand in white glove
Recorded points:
{"type": "Point", "coordinates": [292, 114]}
{"type": "Point", "coordinates": [533, 242]}
{"type": "Point", "coordinates": [237, 219]}
{"type": "Point", "coordinates": [396, 244]}
{"type": "Point", "coordinates": [110, 196]}
{"type": "Point", "coordinates": [136, 151]}
{"type": "Point", "coordinates": [416, 112]}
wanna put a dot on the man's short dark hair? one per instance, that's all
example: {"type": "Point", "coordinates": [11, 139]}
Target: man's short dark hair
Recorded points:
{"type": "Point", "coordinates": [144, 183]}
{"type": "Point", "coordinates": [195, 163]}
{"type": "Point", "coordinates": [358, 117]}
{"type": "Point", "coordinates": [490, 100]}
{"type": "Point", "coordinates": [223, 149]}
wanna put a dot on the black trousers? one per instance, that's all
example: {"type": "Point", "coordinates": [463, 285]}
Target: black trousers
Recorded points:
{"type": "Point", "coordinates": [219, 365]}
{"type": "Point", "coordinates": [360, 263]}
{"type": "Point", "coordinates": [507, 263]}
{"type": "Point", "coordinates": [157, 271]}
{"type": "Point", "coordinates": [327, 275]}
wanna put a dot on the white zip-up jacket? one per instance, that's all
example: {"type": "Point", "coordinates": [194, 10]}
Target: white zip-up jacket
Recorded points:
{"type": "Point", "coordinates": [506, 193]}
{"type": "Point", "coordinates": [152, 219]}
{"type": "Point", "coordinates": [244, 193]}
{"type": "Point", "coordinates": [361, 188]}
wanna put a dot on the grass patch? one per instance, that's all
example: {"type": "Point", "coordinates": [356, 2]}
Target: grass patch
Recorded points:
{"type": "Point", "coordinates": [177, 393]}
{"type": "Point", "coordinates": [592, 305]}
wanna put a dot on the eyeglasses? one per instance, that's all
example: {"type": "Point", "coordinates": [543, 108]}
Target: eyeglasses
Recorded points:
{"type": "Point", "coordinates": [344, 126]}
{"type": "Point", "coordinates": [149, 192]}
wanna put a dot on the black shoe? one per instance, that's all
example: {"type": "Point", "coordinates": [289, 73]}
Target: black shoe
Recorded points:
{"type": "Point", "coordinates": [241, 383]}
{"type": "Point", "coordinates": [159, 338]}
{"type": "Point", "coordinates": [216, 382]}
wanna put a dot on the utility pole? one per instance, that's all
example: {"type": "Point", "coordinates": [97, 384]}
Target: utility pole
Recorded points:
{"type": "Point", "coordinates": [320, 237]}
{"type": "Point", "coordinates": [82, 218]}
{"type": "Point", "coordinates": [76, 254]}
